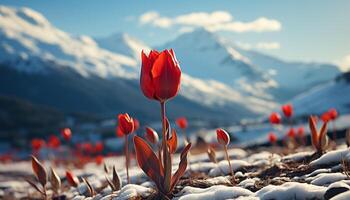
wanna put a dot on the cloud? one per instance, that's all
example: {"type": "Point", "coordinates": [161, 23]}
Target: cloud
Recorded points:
{"type": "Point", "coordinates": [214, 21]}
{"type": "Point", "coordinates": [344, 63]}
{"type": "Point", "coordinates": [259, 45]}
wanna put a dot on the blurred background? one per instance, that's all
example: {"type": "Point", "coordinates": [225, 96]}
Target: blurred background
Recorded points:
{"type": "Point", "coordinates": [76, 64]}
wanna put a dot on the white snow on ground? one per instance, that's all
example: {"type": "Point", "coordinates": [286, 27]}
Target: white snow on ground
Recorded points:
{"type": "Point", "coordinates": [212, 193]}
{"type": "Point", "coordinates": [291, 190]}
{"type": "Point", "coordinates": [297, 156]}
{"type": "Point", "coordinates": [222, 167]}
{"type": "Point", "coordinates": [332, 157]}
{"type": "Point", "coordinates": [342, 196]}
{"type": "Point", "coordinates": [326, 179]}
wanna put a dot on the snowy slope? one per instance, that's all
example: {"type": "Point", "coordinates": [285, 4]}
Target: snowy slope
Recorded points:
{"type": "Point", "coordinates": [26, 35]}
{"type": "Point", "coordinates": [334, 94]}
{"type": "Point", "coordinates": [124, 44]}
{"type": "Point", "coordinates": [208, 56]}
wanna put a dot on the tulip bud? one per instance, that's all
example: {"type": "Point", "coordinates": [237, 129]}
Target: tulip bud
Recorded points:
{"type": "Point", "coordinates": [333, 114]}
{"type": "Point", "coordinates": [66, 133]}
{"type": "Point", "coordinates": [272, 138]}
{"type": "Point", "coordinates": [300, 131]}
{"type": "Point", "coordinates": [275, 118]}
{"type": "Point", "coordinates": [160, 75]}
{"type": "Point", "coordinates": [222, 137]}
{"type": "Point", "coordinates": [287, 110]}
{"type": "Point", "coordinates": [325, 117]}
{"type": "Point", "coordinates": [151, 135]}
{"type": "Point", "coordinates": [182, 122]}
{"type": "Point", "coordinates": [291, 133]}
{"type": "Point", "coordinates": [126, 123]}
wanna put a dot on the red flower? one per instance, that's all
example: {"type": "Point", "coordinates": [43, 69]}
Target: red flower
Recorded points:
{"type": "Point", "coordinates": [181, 122]}
{"type": "Point", "coordinates": [275, 118]}
{"type": "Point", "coordinates": [272, 138]}
{"type": "Point", "coordinates": [99, 160]}
{"type": "Point", "coordinates": [66, 133]}
{"type": "Point", "coordinates": [87, 147]}
{"type": "Point", "coordinates": [151, 135]}
{"type": "Point", "coordinates": [287, 110]}
{"type": "Point", "coordinates": [126, 123]}
{"type": "Point", "coordinates": [291, 133]}
{"type": "Point", "coordinates": [37, 144]}
{"type": "Point", "coordinates": [160, 75]}
{"type": "Point", "coordinates": [222, 137]}
{"type": "Point", "coordinates": [301, 131]}
{"type": "Point", "coordinates": [333, 114]}
{"type": "Point", "coordinates": [54, 142]}
{"type": "Point", "coordinates": [99, 147]}
{"type": "Point", "coordinates": [325, 117]}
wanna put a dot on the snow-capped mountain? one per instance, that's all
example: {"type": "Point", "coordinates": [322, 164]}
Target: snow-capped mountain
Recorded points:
{"type": "Point", "coordinates": [45, 65]}
{"type": "Point", "coordinates": [333, 94]}
{"type": "Point", "coordinates": [207, 56]}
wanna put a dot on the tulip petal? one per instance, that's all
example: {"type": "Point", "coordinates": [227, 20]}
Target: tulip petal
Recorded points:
{"type": "Point", "coordinates": [166, 76]}
{"type": "Point", "coordinates": [146, 82]}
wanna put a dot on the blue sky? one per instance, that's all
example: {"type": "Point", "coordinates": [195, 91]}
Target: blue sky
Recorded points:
{"type": "Point", "coordinates": [313, 30]}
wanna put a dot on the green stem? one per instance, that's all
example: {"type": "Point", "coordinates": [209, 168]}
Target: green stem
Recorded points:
{"type": "Point", "coordinates": [127, 158]}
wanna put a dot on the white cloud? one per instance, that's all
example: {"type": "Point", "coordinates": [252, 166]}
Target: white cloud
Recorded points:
{"type": "Point", "coordinates": [259, 45]}
{"type": "Point", "coordinates": [186, 29]}
{"type": "Point", "coordinates": [344, 63]}
{"type": "Point", "coordinates": [268, 45]}
{"type": "Point", "coordinates": [214, 21]}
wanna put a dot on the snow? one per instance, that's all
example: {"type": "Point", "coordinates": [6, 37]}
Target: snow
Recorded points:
{"type": "Point", "coordinates": [222, 167]}
{"type": "Point", "coordinates": [213, 192]}
{"type": "Point", "coordinates": [132, 191]}
{"type": "Point", "coordinates": [326, 179]}
{"type": "Point", "coordinates": [291, 190]}
{"type": "Point", "coordinates": [342, 196]}
{"type": "Point", "coordinates": [332, 157]}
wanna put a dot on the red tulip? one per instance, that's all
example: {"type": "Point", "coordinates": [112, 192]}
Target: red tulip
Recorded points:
{"type": "Point", "coordinates": [136, 124]}
{"type": "Point", "coordinates": [182, 122]}
{"type": "Point", "coordinates": [37, 144]}
{"type": "Point", "coordinates": [66, 133]}
{"type": "Point", "coordinates": [54, 142]}
{"type": "Point", "coordinates": [151, 135]}
{"type": "Point", "coordinates": [99, 160]}
{"type": "Point", "coordinates": [99, 147]}
{"type": "Point", "coordinates": [125, 123]}
{"type": "Point", "coordinates": [272, 138]}
{"type": "Point", "coordinates": [160, 75]}
{"type": "Point", "coordinates": [325, 117]}
{"type": "Point", "coordinates": [333, 114]}
{"type": "Point", "coordinates": [301, 131]}
{"type": "Point", "coordinates": [275, 118]}
{"type": "Point", "coordinates": [287, 110]}
{"type": "Point", "coordinates": [87, 147]}
{"type": "Point", "coordinates": [222, 137]}
{"type": "Point", "coordinates": [291, 133]}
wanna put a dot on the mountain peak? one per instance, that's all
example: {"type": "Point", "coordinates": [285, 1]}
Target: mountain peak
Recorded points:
{"type": "Point", "coordinates": [25, 15]}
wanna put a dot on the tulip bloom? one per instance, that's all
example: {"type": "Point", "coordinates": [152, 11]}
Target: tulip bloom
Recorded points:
{"type": "Point", "coordinates": [275, 118]}
{"type": "Point", "coordinates": [136, 124]}
{"type": "Point", "coordinates": [272, 138]}
{"type": "Point", "coordinates": [287, 110]}
{"type": "Point", "coordinates": [126, 125]}
{"type": "Point", "coordinates": [99, 147]}
{"type": "Point", "coordinates": [182, 123]}
{"type": "Point", "coordinates": [118, 132]}
{"type": "Point", "coordinates": [325, 117]}
{"type": "Point", "coordinates": [160, 75]}
{"type": "Point", "coordinates": [300, 134]}
{"type": "Point", "coordinates": [291, 133]}
{"type": "Point", "coordinates": [66, 134]}
{"type": "Point", "coordinates": [37, 144]}
{"type": "Point", "coordinates": [54, 142]}
{"type": "Point", "coordinates": [224, 139]}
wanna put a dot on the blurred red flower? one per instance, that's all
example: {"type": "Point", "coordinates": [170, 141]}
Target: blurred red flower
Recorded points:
{"type": "Point", "coordinates": [66, 134]}
{"type": "Point", "coordinates": [275, 118]}
{"type": "Point", "coordinates": [301, 131]}
{"type": "Point", "coordinates": [222, 137]}
{"type": "Point", "coordinates": [333, 114]}
{"type": "Point", "coordinates": [325, 117]}
{"type": "Point", "coordinates": [99, 147]}
{"type": "Point", "coordinates": [182, 122]}
{"type": "Point", "coordinates": [125, 123]}
{"type": "Point", "coordinates": [160, 75]}
{"type": "Point", "coordinates": [272, 138]}
{"type": "Point", "coordinates": [99, 160]}
{"type": "Point", "coordinates": [287, 110]}
{"type": "Point", "coordinates": [136, 124]}
{"type": "Point", "coordinates": [291, 133]}
{"type": "Point", "coordinates": [37, 144]}
{"type": "Point", "coordinates": [54, 142]}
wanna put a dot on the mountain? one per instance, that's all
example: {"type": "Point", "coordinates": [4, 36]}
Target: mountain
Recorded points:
{"type": "Point", "coordinates": [333, 94]}
{"type": "Point", "coordinates": [47, 66]}
{"type": "Point", "coordinates": [208, 56]}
